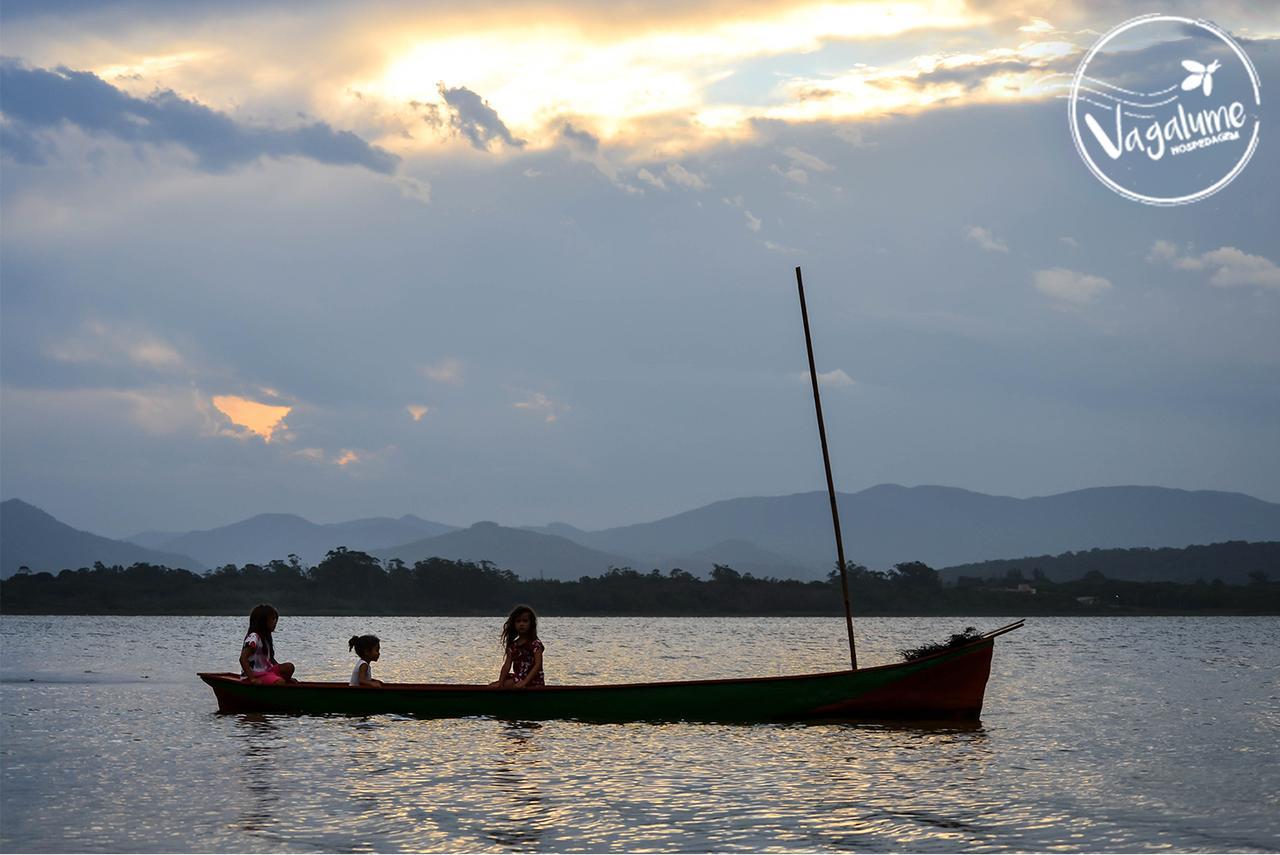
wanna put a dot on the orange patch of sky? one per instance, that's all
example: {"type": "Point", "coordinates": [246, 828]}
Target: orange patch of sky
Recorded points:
{"type": "Point", "coordinates": [257, 418]}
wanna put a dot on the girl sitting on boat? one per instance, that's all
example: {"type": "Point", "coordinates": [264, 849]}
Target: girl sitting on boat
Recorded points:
{"type": "Point", "coordinates": [368, 648]}
{"type": "Point", "coordinates": [522, 666]}
{"type": "Point", "coordinates": [257, 656]}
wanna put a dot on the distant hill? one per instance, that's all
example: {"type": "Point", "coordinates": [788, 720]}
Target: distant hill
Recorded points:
{"type": "Point", "coordinates": [782, 536]}
{"type": "Point", "coordinates": [153, 539]}
{"type": "Point", "coordinates": [559, 529]}
{"type": "Point", "coordinates": [31, 537]}
{"type": "Point", "coordinates": [944, 526]}
{"type": "Point", "coordinates": [528, 554]}
{"type": "Point", "coordinates": [745, 557]}
{"type": "Point", "coordinates": [261, 538]}
{"type": "Point", "coordinates": [1231, 562]}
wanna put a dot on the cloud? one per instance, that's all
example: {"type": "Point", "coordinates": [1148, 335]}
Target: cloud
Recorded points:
{"type": "Point", "coordinates": [585, 146]}
{"type": "Point", "coordinates": [156, 410]}
{"type": "Point", "coordinates": [1038, 26]}
{"type": "Point", "coordinates": [98, 343]}
{"type": "Point", "coordinates": [413, 188]}
{"type": "Point", "coordinates": [996, 74]}
{"type": "Point", "coordinates": [471, 116]}
{"type": "Point", "coordinates": [541, 404]}
{"type": "Point", "coordinates": [854, 136]}
{"type": "Point", "coordinates": [802, 163]}
{"type": "Point", "coordinates": [579, 141]}
{"type": "Point", "coordinates": [649, 178]}
{"type": "Point", "coordinates": [1070, 241]}
{"type": "Point", "coordinates": [256, 418]}
{"type": "Point", "coordinates": [1069, 286]}
{"type": "Point", "coordinates": [794, 173]}
{"type": "Point", "coordinates": [679, 175]}
{"type": "Point", "coordinates": [809, 161]}
{"type": "Point", "coordinates": [343, 457]}
{"type": "Point", "coordinates": [417, 411]}
{"type": "Point", "coordinates": [38, 99]}
{"type": "Point", "coordinates": [753, 222]}
{"type": "Point", "coordinates": [448, 370]}
{"type": "Point", "coordinates": [970, 75]}
{"type": "Point", "coordinates": [983, 238]}
{"type": "Point", "coordinates": [1230, 267]}
{"type": "Point", "coordinates": [836, 379]}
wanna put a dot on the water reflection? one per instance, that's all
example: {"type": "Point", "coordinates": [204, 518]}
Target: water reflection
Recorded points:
{"type": "Point", "coordinates": [261, 747]}
{"type": "Point", "coordinates": [520, 818]}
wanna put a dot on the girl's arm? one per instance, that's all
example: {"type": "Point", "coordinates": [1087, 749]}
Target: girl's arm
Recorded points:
{"type": "Point", "coordinates": [506, 668]}
{"type": "Point", "coordinates": [245, 653]}
{"type": "Point", "coordinates": [534, 671]}
{"type": "Point", "coordinates": [363, 678]}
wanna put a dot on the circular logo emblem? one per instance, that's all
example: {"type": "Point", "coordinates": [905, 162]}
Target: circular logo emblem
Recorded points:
{"type": "Point", "coordinates": [1165, 110]}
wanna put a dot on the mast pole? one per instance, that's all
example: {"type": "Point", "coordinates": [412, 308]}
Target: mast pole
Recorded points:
{"type": "Point", "coordinates": [826, 461]}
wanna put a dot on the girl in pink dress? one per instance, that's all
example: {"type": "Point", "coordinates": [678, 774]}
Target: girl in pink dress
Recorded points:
{"type": "Point", "coordinates": [522, 667]}
{"type": "Point", "coordinates": [257, 656]}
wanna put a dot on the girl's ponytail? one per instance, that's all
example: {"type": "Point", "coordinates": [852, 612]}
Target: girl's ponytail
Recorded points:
{"type": "Point", "coordinates": [362, 644]}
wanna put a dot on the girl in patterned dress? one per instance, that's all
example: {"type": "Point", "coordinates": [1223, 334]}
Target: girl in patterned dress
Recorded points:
{"type": "Point", "coordinates": [522, 666]}
{"type": "Point", "coordinates": [257, 657]}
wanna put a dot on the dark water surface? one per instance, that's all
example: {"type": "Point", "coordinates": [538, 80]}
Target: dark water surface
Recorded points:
{"type": "Point", "coordinates": [1111, 734]}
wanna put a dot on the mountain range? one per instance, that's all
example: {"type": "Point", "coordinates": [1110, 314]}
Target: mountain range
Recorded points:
{"type": "Point", "coordinates": [32, 538]}
{"type": "Point", "coordinates": [784, 536]}
{"type": "Point", "coordinates": [261, 538]}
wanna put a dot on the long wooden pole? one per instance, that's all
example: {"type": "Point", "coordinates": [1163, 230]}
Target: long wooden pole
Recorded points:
{"type": "Point", "coordinates": [826, 461]}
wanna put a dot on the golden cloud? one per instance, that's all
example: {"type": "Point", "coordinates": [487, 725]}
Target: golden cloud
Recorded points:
{"type": "Point", "coordinates": [257, 418]}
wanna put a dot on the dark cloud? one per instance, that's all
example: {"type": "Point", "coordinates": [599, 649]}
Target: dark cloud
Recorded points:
{"type": "Point", "coordinates": [471, 116]}
{"type": "Point", "coordinates": [583, 140]}
{"type": "Point", "coordinates": [972, 76]}
{"type": "Point", "coordinates": [20, 146]}
{"type": "Point", "coordinates": [16, 10]}
{"type": "Point", "coordinates": [36, 99]}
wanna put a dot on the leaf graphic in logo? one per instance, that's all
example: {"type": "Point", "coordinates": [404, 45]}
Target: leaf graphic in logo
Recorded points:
{"type": "Point", "coordinates": [1200, 74]}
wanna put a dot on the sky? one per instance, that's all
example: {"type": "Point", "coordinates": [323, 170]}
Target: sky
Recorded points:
{"type": "Point", "coordinates": [533, 261]}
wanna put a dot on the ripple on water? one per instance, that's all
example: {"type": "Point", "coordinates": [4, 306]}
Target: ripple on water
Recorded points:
{"type": "Point", "coordinates": [1106, 734]}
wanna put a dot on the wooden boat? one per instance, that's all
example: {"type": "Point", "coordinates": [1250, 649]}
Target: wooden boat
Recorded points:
{"type": "Point", "coordinates": [946, 686]}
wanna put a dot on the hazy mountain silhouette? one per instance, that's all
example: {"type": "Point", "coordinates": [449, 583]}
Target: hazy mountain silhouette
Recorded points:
{"type": "Point", "coordinates": [944, 526]}
{"type": "Point", "coordinates": [1232, 562]}
{"type": "Point", "coordinates": [31, 537]}
{"type": "Point", "coordinates": [784, 536]}
{"type": "Point", "coordinates": [745, 557]}
{"type": "Point", "coordinates": [558, 529]}
{"type": "Point", "coordinates": [153, 539]}
{"type": "Point", "coordinates": [263, 537]}
{"type": "Point", "coordinates": [528, 554]}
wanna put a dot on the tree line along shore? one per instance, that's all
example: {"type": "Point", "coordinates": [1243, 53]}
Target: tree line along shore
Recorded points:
{"type": "Point", "coordinates": [354, 582]}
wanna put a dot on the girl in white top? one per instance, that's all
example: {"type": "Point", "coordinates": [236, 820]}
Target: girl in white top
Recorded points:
{"type": "Point", "coordinates": [368, 648]}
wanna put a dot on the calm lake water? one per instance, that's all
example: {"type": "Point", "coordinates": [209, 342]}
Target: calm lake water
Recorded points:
{"type": "Point", "coordinates": [1124, 734]}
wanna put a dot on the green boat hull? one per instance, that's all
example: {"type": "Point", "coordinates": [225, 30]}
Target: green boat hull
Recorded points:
{"type": "Point", "coordinates": [947, 686]}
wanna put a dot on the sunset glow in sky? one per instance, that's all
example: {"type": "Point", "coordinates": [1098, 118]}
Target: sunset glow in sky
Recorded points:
{"type": "Point", "coordinates": [533, 262]}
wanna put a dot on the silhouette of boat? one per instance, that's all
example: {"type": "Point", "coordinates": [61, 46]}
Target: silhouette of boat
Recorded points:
{"type": "Point", "coordinates": [946, 686]}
